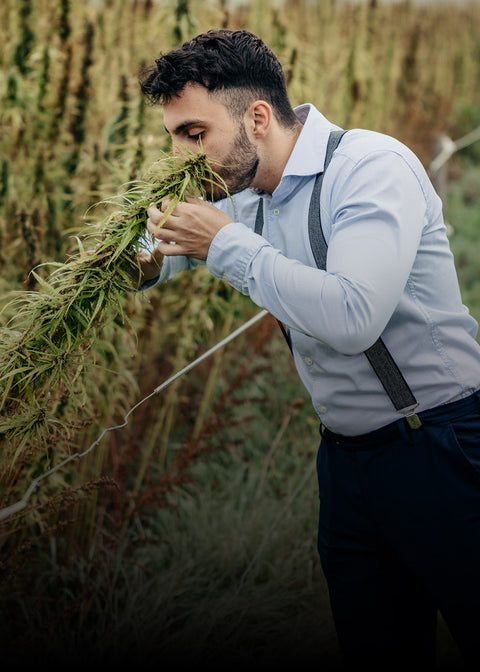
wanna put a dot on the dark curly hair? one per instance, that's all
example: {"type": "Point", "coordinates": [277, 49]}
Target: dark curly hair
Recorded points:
{"type": "Point", "coordinates": [233, 63]}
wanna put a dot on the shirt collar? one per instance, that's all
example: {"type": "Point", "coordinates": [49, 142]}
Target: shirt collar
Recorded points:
{"type": "Point", "coordinates": [308, 155]}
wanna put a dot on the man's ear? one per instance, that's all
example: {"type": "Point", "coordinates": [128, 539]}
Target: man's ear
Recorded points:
{"type": "Point", "coordinates": [259, 118]}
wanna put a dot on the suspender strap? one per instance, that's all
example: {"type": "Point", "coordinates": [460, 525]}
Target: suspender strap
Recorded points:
{"type": "Point", "coordinates": [259, 230]}
{"type": "Point", "coordinates": [315, 231]}
{"type": "Point", "coordinates": [259, 218]}
{"type": "Point", "coordinates": [378, 355]}
{"type": "Point", "coordinates": [391, 378]}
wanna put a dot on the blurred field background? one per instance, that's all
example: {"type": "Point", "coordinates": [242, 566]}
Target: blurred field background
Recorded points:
{"type": "Point", "coordinates": [190, 534]}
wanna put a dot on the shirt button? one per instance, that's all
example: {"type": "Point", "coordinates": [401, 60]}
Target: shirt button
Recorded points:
{"type": "Point", "coordinates": [323, 409]}
{"type": "Point", "coordinates": [308, 361]}
{"type": "Point", "coordinates": [276, 211]}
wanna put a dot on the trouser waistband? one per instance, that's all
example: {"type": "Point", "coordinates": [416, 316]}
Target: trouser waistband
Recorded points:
{"type": "Point", "coordinates": [442, 413]}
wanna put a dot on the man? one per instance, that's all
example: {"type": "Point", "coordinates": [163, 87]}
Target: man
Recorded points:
{"type": "Point", "coordinates": [399, 532]}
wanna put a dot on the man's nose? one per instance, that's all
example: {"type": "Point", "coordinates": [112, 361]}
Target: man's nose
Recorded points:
{"type": "Point", "coordinates": [176, 148]}
{"type": "Point", "coordinates": [181, 149]}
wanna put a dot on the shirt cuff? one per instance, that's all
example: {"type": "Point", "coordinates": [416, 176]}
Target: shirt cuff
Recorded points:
{"type": "Point", "coordinates": [149, 283]}
{"type": "Point", "coordinates": [231, 252]}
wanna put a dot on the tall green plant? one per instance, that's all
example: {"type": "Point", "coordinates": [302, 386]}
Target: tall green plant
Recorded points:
{"type": "Point", "coordinates": [43, 349]}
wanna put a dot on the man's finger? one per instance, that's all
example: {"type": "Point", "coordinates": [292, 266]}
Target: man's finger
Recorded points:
{"type": "Point", "coordinates": [165, 204]}
{"type": "Point", "coordinates": [167, 249]}
{"type": "Point", "coordinates": [154, 214]}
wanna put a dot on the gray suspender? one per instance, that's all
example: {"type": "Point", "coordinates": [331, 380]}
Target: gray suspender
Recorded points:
{"type": "Point", "coordinates": [379, 357]}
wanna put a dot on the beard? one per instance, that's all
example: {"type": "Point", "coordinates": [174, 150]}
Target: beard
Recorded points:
{"type": "Point", "coordinates": [238, 168]}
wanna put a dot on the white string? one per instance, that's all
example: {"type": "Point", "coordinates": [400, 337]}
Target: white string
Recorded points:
{"type": "Point", "coordinates": [449, 147]}
{"type": "Point", "coordinates": [18, 506]}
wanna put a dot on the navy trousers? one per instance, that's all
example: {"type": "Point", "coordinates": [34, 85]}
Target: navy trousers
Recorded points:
{"type": "Point", "coordinates": [399, 537]}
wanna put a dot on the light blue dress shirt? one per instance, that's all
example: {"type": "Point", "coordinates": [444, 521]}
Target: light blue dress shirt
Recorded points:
{"type": "Point", "coordinates": [390, 273]}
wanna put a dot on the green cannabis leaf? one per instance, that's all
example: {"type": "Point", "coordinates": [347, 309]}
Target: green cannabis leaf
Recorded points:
{"type": "Point", "coordinates": [44, 347]}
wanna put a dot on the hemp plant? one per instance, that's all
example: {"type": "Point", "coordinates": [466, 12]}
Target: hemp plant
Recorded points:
{"type": "Point", "coordinates": [46, 348]}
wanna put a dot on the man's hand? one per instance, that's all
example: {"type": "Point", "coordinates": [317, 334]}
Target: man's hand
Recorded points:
{"type": "Point", "coordinates": [150, 264]}
{"type": "Point", "coordinates": [191, 227]}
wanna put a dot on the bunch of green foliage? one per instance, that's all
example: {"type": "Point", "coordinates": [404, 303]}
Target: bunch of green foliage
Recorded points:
{"type": "Point", "coordinates": [43, 348]}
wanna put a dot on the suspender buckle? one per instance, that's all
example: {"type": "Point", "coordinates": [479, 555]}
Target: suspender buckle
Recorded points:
{"type": "Point", "coordinates": [412, 418]}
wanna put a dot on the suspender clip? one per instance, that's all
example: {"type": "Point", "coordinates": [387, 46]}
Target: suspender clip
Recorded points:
{"type": "Point", "coordinates": [412, 418]}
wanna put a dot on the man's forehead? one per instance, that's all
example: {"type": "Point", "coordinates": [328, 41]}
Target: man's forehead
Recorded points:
{"type": "Point", "coordinates": [193, 105]}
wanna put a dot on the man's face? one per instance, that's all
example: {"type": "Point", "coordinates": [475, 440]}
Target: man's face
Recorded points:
{"type": "Point", "coordinates": [197, 115]}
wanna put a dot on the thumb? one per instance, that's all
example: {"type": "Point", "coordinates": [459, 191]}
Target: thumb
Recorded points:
{"type": "Point", "coordinates": [157, 257]}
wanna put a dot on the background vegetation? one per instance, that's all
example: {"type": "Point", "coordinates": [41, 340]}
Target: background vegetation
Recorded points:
{"type": "Point", "coordinates": [190, 534]}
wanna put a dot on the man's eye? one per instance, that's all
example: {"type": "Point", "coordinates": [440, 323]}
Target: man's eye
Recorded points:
{"type": "Point", "coordinates": [195, 136]}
